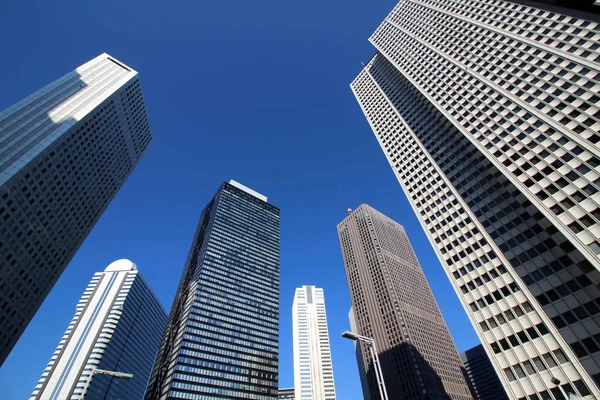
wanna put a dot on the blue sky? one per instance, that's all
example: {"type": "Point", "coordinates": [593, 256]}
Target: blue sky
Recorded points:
{"type": "Point", "coordinates": [254, 91]}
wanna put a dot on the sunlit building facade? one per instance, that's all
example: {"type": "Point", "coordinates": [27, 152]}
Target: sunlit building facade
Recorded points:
{"type": "Point", "coordinates": [313, 371]}
{"type": "Point", "coordinates": [481, 376]}
{"type": "Point", "coordinates": [488, 112]}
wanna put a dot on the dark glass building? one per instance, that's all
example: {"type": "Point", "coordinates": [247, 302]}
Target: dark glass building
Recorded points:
{"type": "Point", "coordinates": [481, 376]}
{"type": "Point", "coordinates": [222, 337]}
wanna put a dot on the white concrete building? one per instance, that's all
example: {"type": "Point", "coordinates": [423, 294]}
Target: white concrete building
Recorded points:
{"type": "Point", "coordinates": [313, 372]}
{"type": "Point", "coordinates": [117, 326]}
{"type": "Point", "coordinates": [488, 113]}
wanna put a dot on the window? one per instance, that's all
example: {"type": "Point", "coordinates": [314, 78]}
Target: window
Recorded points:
{"type": "Point", "coordinates": [560, 356]}
{"type": "Point", "coordinates": [509, 374]}
{"type": "Point", "coordinates": [549, 360]}
{"type": "Point", "coordinates": [529, 367]}
{"type": "Point", "coordinates": [539, 364]}
{"type": "Point", "coordinates": [519, 371]}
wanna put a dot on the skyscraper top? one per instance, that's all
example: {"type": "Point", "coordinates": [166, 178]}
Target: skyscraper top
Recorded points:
{"type": "Point", "coordinates": [121, 265]}
{"type": "Point", "coordinates": [248, 190]}
{"type": "Point", "coordinates": [33, 124]}
{"type": "Point", "coordinates": [65, 151]}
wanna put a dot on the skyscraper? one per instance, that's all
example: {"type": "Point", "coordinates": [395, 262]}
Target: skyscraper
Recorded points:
{"type": "Point", "coordinates": [488, 113]}
{"type": "Point", "coordinates": [313, 372]}
{"type": "Point", "coordinates": [393, 304]}
{"type": "Point", "coordinates": [64, 153]}
{"type": "Point", "coordinates": [222, 338]}
{"type": "Point", "coordinates": [117, 326]}
{"type": "Point", "coordinates": [481, 376]}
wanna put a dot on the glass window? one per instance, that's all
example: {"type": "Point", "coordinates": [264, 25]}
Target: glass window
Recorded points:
{"type": "Point", "coordinates": [520, 372]}
{"type": "Point", "coordinates": [539, 364]}
{"type": "Point", "coordinates": [529, 367]}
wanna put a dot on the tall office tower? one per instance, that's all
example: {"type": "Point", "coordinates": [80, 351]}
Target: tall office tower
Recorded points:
{"type": "Point", "coordinates": [313, 372]}
{"type": "Point", "coordinates": [481, 376]}
{"type": "Point", "coordinates": [117, 326]}
{"type": "Point", "coordinates": [65, 152]}
{"type": "Point", "coordinates": [287, 393]}
{"type": "Point", "coordinates": [362, 373]}
{"type": "Point", "coordinates": [222, 338]}
{"type": "Point", "coordinates": [393, 304]}
{"type": "Point", "coordinates": [488, 113]}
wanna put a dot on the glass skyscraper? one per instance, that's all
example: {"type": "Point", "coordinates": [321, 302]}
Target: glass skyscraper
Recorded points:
{"type": "Point", "coordinates": [488, 112]}
{"type": "Point", "coordinates": [117, 326]}
{"type": "Point", "coordinates": [392, 303]}
{"type": "Point", "coordinates": [65, 151]}
{"type": "Point", "coordinates": [222, 337]}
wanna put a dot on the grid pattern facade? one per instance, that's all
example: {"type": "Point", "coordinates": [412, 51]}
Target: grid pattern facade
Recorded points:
{"type": "Point", "coordinates": [117, 326]}
{"type": "Point", "coordinates": [481, 376]}
{"type": "Point", "coordinates": [488, 113]}
{"type": "Point", "coordinates": [222, 338]}
{"type": "Point", "coordinates": [64, 153]}
{"type": "Point", "coordinates": [313, 372]}
{"type": "Point", "coordinates": [393, 304]}
{"type": "Point", "coordinates": [288, 394]}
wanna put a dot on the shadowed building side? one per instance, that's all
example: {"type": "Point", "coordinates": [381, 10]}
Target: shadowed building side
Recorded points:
{"type": "Point", "coordinates": [481, 376]}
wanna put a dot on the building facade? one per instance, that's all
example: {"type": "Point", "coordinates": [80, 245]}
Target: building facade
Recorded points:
{"type": "Point", "coordinates": [65, 152]}
{"type": "Point", "coordinates": [481, 375]}
{"type": "Point", "coordinates": [313, 372]}
{"type": "Point", "coordinates": [393, 304]}
{"type": "Point", "coordinates": [287, 393]}
{"type": "Point", "coordinates": [222, 338]}
{"type": "Point", "coordinates": [488, 113]}
{"type": "Point", "coordinates": [362, 373]}
{"type": "Point", "coordinates": [117, 326]}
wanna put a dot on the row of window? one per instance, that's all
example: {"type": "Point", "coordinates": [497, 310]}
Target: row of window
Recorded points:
{"type": "Point", "coordinates": [574, 285]}
{"type": "Point", "coordinates": [496, 295]}
{"type": "Point", "coordinates": [567, 387]}
{"type": "Point", "coordinates": [586, 346]}
{"type": "Point", "coordinates": [541, 363]}
{"type": "Point", "coordinates": [590, 308]}
{"type": "Point", "coordinates": [506, 316]}
{"type": "Point", "coordinates": [482, 279]}
{"type": "Point", "coordinates": [532, 333]}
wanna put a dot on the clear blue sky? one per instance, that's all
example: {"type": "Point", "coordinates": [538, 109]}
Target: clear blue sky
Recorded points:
{"type": "Point", "coordinates": [256, 91]}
